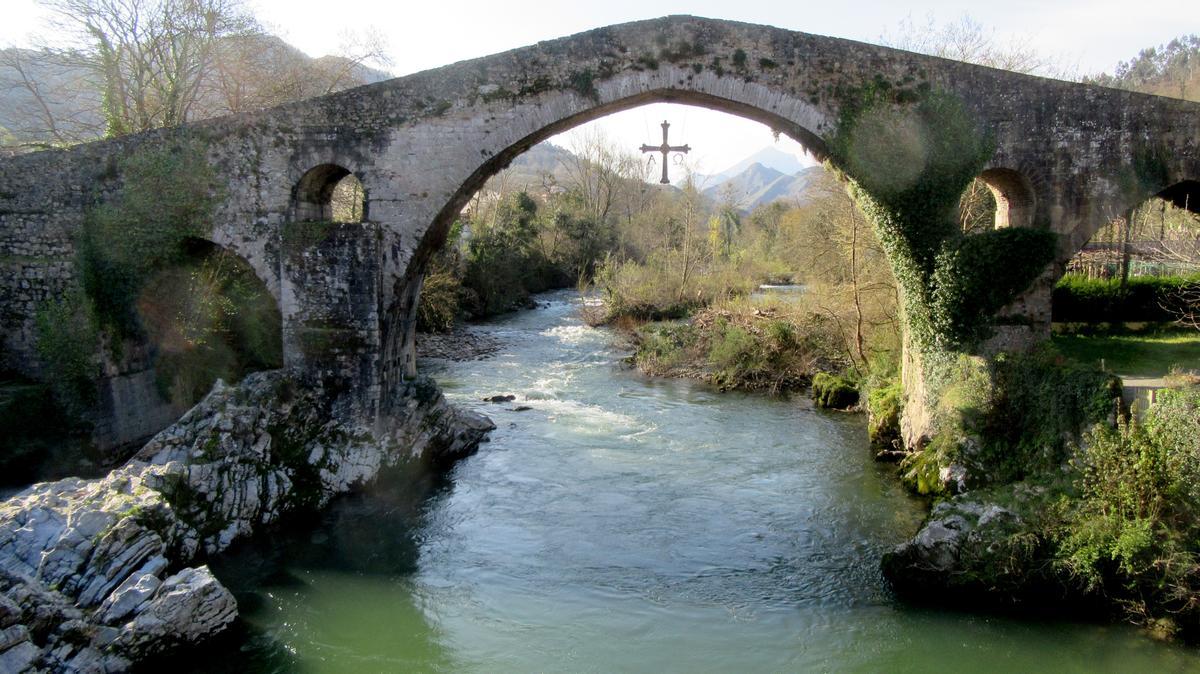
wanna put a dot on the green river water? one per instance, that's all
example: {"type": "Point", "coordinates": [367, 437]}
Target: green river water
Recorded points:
{"type": "Point", "coordinates": [624, 524]}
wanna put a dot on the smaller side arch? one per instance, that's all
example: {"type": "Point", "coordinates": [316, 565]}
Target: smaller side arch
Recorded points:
{"type": "Point", "coordinates": [1015, 200]}
{"type": "Point", "coordinates": [329, 193]}
{"type": "Point", "coordinates": [1184, 194]}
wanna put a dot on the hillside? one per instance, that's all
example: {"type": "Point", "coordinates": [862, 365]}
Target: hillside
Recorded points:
{"type": "Point", "coordinates": [543, 169]}
{"type": "Point", "coordinates": [55, 98]}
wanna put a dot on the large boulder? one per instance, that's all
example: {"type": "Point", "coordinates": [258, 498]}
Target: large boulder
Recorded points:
{"type": "Point", "coordinates": [97, 574]}
{"type": "Point", "coordinates": [972, 548]}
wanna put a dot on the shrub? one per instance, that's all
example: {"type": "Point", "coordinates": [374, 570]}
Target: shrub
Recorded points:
{"type": "Point", "coordinates": [658, 288]}
{"type": "Point", "coordinates": [502, 265]}
{"type": "Point", "coordinates": [742, 345]}
{"type": "Point", "coordinates": [438, 307]}
{"type": "Point", "coordinates": [662, 347]}
{"type": "Point", "coordinates": [1041, 403]}
{"type": "Point", "coordinates": [67, 344]}
{"type": "Point", "coordinates": [209, 318]}
{"type": "Point", "coordinates": [167, 197]}
{"type": "Point", "coordinates": [1132, 533]}
{"type": "Point", "coordinates": [1079, 299]}
{"type": "Point", "coordinates": [1009, 418]}
{"type": "Point", "coordinates": [734, 355]}
{"type": "Point", "coordinates": [832, 391]}
{"type": "Point", "coordinates": [884, 405]}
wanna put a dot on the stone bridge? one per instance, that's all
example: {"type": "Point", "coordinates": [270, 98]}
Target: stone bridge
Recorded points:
{"type": "Point", "coordinates": [422, 144]}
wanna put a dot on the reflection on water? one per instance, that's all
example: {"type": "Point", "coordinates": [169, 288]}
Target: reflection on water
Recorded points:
{"type": "Point", "coordinates": [625, 524]}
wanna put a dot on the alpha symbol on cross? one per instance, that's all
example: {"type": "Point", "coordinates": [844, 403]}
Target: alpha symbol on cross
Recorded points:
{"type": "Point", "coordinates": [666, 148]}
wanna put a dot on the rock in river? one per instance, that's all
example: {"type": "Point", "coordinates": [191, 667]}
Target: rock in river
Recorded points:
{"type": "Point", "coordinates": [98, 574]}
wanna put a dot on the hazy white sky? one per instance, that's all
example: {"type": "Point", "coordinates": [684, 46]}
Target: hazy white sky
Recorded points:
{"type": "Point", "coordinates": [1094, 34]}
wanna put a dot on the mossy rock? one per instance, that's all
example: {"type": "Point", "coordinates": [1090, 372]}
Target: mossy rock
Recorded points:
{"type": "Point", "coordinates": [834, 392]}
{"type": "Point", "coordinates": [884, 406]}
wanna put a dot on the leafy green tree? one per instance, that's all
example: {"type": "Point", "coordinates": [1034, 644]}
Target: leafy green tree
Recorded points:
{"type": "Point", "coordinates": [723, 228]}
{"type": "Point", "coordinates": [501, 257]}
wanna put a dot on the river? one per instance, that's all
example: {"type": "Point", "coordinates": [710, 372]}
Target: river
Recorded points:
{"type": "Point", "coordinates": [625, 524]}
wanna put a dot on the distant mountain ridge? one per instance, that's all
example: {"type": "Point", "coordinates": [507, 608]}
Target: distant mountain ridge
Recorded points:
{"type": "Point", "coordinates": [541, 169]}
{"type": "Point", "coordinates": [767, 175]}
{"type": "Point", "coordinates": [770, 157]}
{"type": "Point", "coordinates": [759, 185]}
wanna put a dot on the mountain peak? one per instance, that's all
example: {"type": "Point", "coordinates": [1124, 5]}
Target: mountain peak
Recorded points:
{"type": "Point", "coordinates": [757, 185]}
{"type": "Point", "coordinates": [769, 157]}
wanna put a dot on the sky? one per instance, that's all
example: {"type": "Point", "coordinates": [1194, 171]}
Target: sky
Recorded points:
{"type": "Point", "coordinates": [1091, 35]}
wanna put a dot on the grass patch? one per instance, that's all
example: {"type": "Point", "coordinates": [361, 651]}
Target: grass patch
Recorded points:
{"type": "Point", "coordinates": [1137, 354]}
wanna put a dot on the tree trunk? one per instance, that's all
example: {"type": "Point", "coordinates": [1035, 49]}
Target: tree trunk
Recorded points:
{"type": "Point", "coordinates": [1126, 252]}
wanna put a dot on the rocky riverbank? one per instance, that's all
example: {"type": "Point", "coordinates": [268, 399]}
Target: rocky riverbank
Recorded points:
{"type": "Point", "coordinates": [1111, 529]}
{"type": "Point", "coordinates": [972, 548]}
{"type": "Point", "coordinates": [98, 574]}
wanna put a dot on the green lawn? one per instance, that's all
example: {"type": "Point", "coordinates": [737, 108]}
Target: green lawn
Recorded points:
{"type": "Point", "coordinates": [1138, 355]}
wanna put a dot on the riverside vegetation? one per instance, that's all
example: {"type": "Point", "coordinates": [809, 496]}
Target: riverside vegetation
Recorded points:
{"type": "Point", "coordinates": [127, 582]}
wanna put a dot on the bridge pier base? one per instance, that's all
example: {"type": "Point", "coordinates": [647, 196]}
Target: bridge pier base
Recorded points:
{"type": "Point", "coordinates": [1020, 327]}
{"type": "Point", "coordinates": [331, 328]}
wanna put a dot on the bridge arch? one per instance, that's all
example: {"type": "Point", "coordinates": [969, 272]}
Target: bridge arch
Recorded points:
{"type": "Point", "coordinates": [420, 144]}
{"type": "Point", "coordinates": [331, 193]}
{"type": "Point", "coordinates": [210, 315]}
{"type": "Point", "coordinates": [792, 116]}
{"type": "Point", "coordinates": [1014, 195]}
{"type": "Point", "coordinates": [1184, 194]}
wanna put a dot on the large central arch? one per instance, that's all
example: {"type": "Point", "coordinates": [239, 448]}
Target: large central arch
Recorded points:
{"type": "Point", "coordinates": [795, 118]}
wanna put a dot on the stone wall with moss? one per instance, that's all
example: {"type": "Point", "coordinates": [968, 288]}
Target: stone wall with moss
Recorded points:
{"type": "Point", "coordinates": [332, 282]}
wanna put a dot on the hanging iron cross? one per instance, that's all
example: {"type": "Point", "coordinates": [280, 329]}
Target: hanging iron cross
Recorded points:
{"type": "Point", "coordinates": [666, 148]}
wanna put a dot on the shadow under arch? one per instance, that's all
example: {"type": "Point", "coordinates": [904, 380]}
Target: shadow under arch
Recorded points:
{"type": "Point", "coordinates": [209, 316]}
{"type": "Point", "coordinates": [1184, 194]}
{"type": "Point", "coordinates": [1014, 197]}
{"type": "Point", "coordinates": [400, 317]}
{"type": "Point", "coordinates": [1154, 235]}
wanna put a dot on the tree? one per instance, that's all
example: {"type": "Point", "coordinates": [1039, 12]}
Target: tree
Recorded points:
{"type": "Point", "coordinates": [152, 57]}
{"type": "Point", "coordinates": [256, 71]}
{"type": "Point", "coordinates": [1172, 69]}
{"type": "Point", "coordinates": [723, 228]}
{"type": "Point", "coordinates": [122, 66]}
{"type": "Point", "coordinates": [600, 173]}
{"type": "Point", "coordinates": [52, 101]}
{"type": "Point", "coordinates": [965, 39]}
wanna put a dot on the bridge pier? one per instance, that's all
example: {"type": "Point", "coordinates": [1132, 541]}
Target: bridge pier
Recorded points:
{"type": "Point", "coordinates": [330, 296]}
{"type": "Point", "coordinates": [1020, 327]}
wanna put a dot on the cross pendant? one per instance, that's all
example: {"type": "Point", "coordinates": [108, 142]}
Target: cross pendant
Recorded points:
{"type": "Point", "coordinates": [666, 148]}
